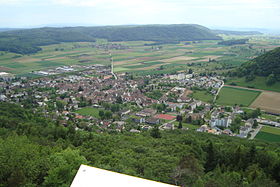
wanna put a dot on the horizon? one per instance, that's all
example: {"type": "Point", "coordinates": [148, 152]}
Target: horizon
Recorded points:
{"type": "Point", "coordinates": [216, 14]}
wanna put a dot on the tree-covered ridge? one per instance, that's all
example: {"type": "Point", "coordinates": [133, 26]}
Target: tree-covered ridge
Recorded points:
{"type": "Point", "coordinates": [36, 151]}
{"type": "Point", "coordinates": [28, 41]}
{"type": "Point", "coordinates": [233, 42]}
{"type": "Point", "coordinates": [267, 65]}
{"type": "Point", "coordinates": [241, 33]}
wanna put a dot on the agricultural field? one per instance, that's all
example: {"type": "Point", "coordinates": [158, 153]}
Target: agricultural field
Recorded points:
{"type": "Point", "coordinates": [231, 96]}
{"type": "Point", "coordinates": [203, 56]}
{"type": "Point", "coordinates": [202, 96]}
{"type": "Point", "coordinates": [94, 112]}
{"type": "Point", "coordinates": [268, 101]}
{"type": "Point", "coordinates": [267, 133]}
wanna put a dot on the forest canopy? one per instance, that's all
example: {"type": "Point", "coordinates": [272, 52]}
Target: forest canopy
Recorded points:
{"type": "Point", "coordinates": [37, 151]}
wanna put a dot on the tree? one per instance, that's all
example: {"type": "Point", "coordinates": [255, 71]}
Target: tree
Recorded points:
{"type": "Point", "coordinates": [255, 124]}
{"type": "Point", "coordinates": [63, 167]}
{"type": "Point", "coordinates": [179, 118]}
{"type": "Point", "coordinates": [180, 126]}
{"type": "Point", "coordinates": [271, 79]}
{"type": "Point", "coordinates": [101, 114]}
{"type": "Point", "coordinates": [108, 115]}
{"type": "Point", "coordinates": [188, 171]}
{"type": "Point", "coordinates": [155, 133]}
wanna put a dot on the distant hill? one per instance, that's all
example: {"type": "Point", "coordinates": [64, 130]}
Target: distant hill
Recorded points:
{"type": "Point", "coordinates": [267, 65]}
{"type": "Point", "coordinates": [237, 32]}
{"type": "Point", "coordinates": [28, 41]}
{"type": "Point", "coordinates": [8, 29]}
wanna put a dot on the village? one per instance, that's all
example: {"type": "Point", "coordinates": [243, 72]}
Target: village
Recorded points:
{"type": "Point", "coordinates": [92, 99]}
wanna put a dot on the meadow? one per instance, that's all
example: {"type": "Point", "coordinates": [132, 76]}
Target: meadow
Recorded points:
{"type": "Point", "coordinates": [94, 112]}
{"type": "Point", "coordinates": [258, 83]}
{"type": "Point", "coordinates": [267, 133]}
{"type": "Point", "coordinates": [232, 96]}
{"type": "Point", "coordinates": [202, 96]}
{"type": "Point", "coordinates": [203, 56]}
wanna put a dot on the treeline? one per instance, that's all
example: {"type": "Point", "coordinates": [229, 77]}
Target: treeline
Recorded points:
{"type": "Point", "coordinates": [28, 41]}
{"type": "Point", "coordinates": [233, 42]}
{"type": "Point", "coordinates": [266, 65]}
{"type": "Point", "coordinates": [241, 33]}
{"type": "Point", "coordinates": [36, 151]}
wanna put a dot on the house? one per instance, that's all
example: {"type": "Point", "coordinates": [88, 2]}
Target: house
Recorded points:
{"type": "Point", "coordinates": [223, 122]}
{"type": "Point", "coordinates": [146, 112]}
{"type": "Point", "coordinates": [152, 121]}
{"type": "Point", "coordinates": [174, 106]}
{"type": "Point", "coordinates": [124, 112]}
{"type": "Point", "coordinates": [203, 128]}
{"type": "Point", "coordinates": [3, 97]}
{"type": "Point", "coordinates": [194, 116]}
{"type": "Point", "coordinates": [227, 132]}
{"type": "Point", "coordinates": [6, 76]}
{"type": "Point", "coordinates": [167, 126]}
{"type": "Point", "coordinates": [138, 119]}
{"type": "Point", "coordinates": [134, 131]}
{"type": "Point", "coordinates": [244, 130]}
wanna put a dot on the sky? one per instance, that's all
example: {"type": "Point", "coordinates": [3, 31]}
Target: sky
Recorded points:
{"type": "Point", "coordinates": [211, 13]}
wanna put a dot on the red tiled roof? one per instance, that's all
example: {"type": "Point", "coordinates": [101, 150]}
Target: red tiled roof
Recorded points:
{"type": "Point", "coordinates": [165, 116]}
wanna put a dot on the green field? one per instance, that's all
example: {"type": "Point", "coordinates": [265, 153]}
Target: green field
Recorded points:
{"type": "Point", "coordinates": [272, 130]}
{"type": "Point", "coordinates": [137, 57]}
{"type": "Point", "coordinates": [271, 134]}
{"type": "Point", "coordinates": [231, 96]}
{"type": "Point", "coordinates": [187, 125]}
{"type": "Point", "coordinates": [202, 96]}
{"type": "Point", "coordinates": [258, 82]}
{"type": "Point", "coordinates": [94, 112]}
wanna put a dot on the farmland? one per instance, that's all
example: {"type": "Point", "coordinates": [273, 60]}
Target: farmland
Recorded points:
{"type": "Point", "coordinates": [268, 101]}
{"type": "Point", "coordinates": [135, 56]}
{"type": "Point", "coordinates": [232, 96]}
{"type": "Point", "coordinates": [271, 134]}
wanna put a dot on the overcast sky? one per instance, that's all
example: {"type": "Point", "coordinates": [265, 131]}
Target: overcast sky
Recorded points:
{"type": "Point", "coordinates": [211, 13]}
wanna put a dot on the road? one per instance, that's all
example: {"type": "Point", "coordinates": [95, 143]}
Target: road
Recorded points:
{"type": "Point", "coordinates": [218, 92]}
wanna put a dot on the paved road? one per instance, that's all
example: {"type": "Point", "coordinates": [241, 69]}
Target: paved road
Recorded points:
{"type": "Point", "coordinates": [218, 92]}
{"type": "Point", "coordinates": [256, 131]}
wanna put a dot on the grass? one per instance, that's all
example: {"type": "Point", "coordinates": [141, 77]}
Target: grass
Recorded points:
{"type": "Point", "coordinates": [272, 130]}
{"type": "Point", "coordinates": [258, 82]}
{"type": "Point", "coordinates": [202, 96]}
{"type": "Point", "coordinates": [94, 112]}
{"type": "Point", "coordinates": [232, 96]}
{"type": "Point", "coordinates": [268, 137]}
{"type": "Point", "coordinates": [186, 125]}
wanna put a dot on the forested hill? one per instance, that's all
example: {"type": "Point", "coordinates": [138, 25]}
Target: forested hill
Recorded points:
{"type": "Point", "coordinates": [28, 41]}
{"type": "Point", "coordinates": [226, 32]}
{"type": "Point", "coordinates": [37, 151]}
{"type": "Point", "coordinates": [267, 65]}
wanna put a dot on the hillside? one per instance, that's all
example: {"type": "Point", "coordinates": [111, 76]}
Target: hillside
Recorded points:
{"type": "Point", "coordinates": [241, 33]}
{"type": "Point", "coordinates": [29, 41]}
{"type": "Point", "coordinates": [37, 151]}
{"type": "Point", "coordinates": [266, 65]}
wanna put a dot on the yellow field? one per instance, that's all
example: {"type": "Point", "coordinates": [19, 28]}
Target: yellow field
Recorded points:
{"type": "Point", "coordinates": [268, 101]}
